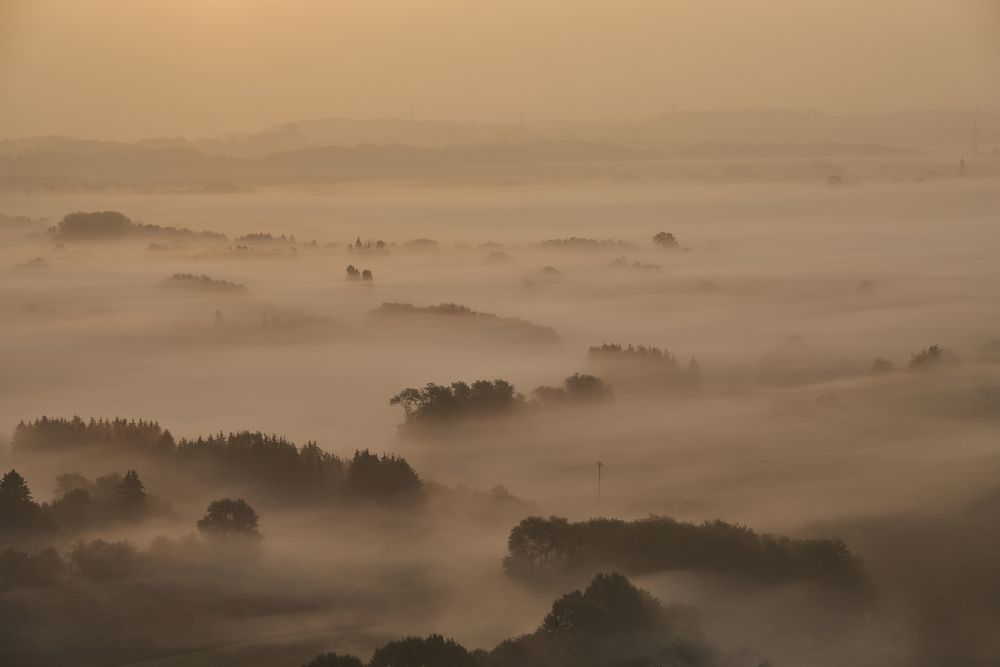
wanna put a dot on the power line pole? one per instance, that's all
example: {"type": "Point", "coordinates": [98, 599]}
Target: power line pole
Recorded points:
{"type": "Point", "coordinates": [599, 466]}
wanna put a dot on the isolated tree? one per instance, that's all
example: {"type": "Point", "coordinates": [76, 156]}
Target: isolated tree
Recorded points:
{"type": "Point", "coordinates": [353, 273]}
{"type": "Point", "coordinates": [18, 511]}
{"type": "Point", "coordinates": [132, 495]}
{"type": "Point", "coordinates": [665, 240]}
{"type": "Point", "coordinates": [367, 275]}
{"type": "Point", "coordinates": [228, 518]}
{"type": "Point", "coordinates": [15, 495]}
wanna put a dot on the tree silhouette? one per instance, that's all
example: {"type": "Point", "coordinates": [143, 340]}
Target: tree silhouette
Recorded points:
{"type": "Point", "coordinates": [926, 358]}
{"type": "Point", "coordinates": [334, 660]}
{"type": "Point", "coordinates": [381, 479]}
{"type": "Point", "coordinates": [18, 511]}
{"type": "Point", "coordinates": [665, 240]}
{"type": "Point", "coordinates": [132, 495]}
{"type": "Point", "coordinates": [542, 550]}
{"type": "Point", "coordinates": [434, 651]}
{"type": "Point", "coordinates": [227, 518]}
{"type": "Point", "coordinates": [609, 604]}
{"type": "Point", "coordinates": [99, 559]}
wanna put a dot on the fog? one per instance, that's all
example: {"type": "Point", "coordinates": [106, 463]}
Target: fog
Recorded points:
{"type": "Point", "coordinates": [787, 431]}
{"type": "Point", "coordinates": [539, 335]}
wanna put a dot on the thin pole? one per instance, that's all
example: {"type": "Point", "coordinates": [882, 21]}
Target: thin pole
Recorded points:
{"type": "Point", "coordinates": [599, 466]}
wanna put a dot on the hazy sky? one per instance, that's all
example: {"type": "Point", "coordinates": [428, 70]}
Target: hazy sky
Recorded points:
{"type": "Point", "coordinates": [128, 68]}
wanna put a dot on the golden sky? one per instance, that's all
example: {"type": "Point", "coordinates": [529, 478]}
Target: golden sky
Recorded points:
{"type": "Point", "coordinates": [129, 68]}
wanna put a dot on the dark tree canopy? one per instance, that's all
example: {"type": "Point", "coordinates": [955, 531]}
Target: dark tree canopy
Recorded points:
{"type": "Point", "coordinates": [609, 624]}
{"type": "Point", "coordinates": [438, 404]}
{"type": "Point", "coordinates": [381, 479]}
{"type": "Point", "coordinates": [105, 225]}
{"type": "Point", "coordinates": [132, 495]}
{"type": "Point", "coordinates": [577, 388]}
{"type": "Point", "coordinates": [645, 368]}
{"type": "Point", "coordinates": [19, 513]}
{"type": "Point", "coordinates": [433, 651]}
{"type": "Point", "coordinates": [122, 434]}
{"type": "Point", "coordinates": [334, 660]}
{"type": "Point", "coordinates": [462, 319]}
{"type": "Point", "coordinates": [99, 559]}
{"type": "Point", "coordinates": [228, 518]}
{"type": "Point", "coordinates": [541, 550]}
{"type": "Point", "coordinates": [204, 283]}
{"type": "Point", "coordinates": [665, 240]}
{"type": "Point", "coordinates": [926, 358]}
{"type": "Point", "coordinates": [609, 604]}
{"type": "Point", "coordinates": [269, 463]}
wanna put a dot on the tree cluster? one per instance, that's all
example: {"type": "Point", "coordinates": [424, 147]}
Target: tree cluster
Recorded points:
{"type": "Point", "coordinates": [191, 281]}
{"type": "Point", "coordinates": [644, 367]}
{"type": "Point", "coordinates": [666, 240]}
{"type": "Point", "coordinates": [107, 225]}
{"type": "Point", "coordinates": [265, 237]}
{"type": "Point", "coordinates": [79, 504]}
{"type": "Point", "coordinates": [438, 405]}
{"type": "Point", "coordinates": [353, 273]}
{"type": "Point", "coordinates": [926, 358]}
{"type": "Point", "coordinates": [131, 435]}
{"type": "Point", "coordinates": [541, 550]}
{"type": "Point", "coordinates": [269, 464]}
{"type": "Point", "coordinates": [611, 623]}
{"type": "Point", "coordinates": [459, 315]}
{"type": "Point", "coordinates": [367, 246]}
{"type": "Point", "coordinates": [577, 388]}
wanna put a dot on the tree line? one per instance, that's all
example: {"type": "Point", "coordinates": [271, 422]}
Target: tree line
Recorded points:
{"type": "Point", "coordinates": [610, 623]}
{"type": "Point", "coordinates": [644, 367]}
{"type": "Point", "coordinates": [438, 405]}
{"type": "Point", "coordinates": [106, 225]}
{"type": "Point", "coordinates": [227, 523]}
{"type": "Point", "coordinates": [542, 550]}
{"type": "Point", "coordinates": [271, 464]}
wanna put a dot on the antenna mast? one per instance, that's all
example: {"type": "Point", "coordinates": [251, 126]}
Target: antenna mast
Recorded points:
{"type": "Point", "coordinates": [599, 466]}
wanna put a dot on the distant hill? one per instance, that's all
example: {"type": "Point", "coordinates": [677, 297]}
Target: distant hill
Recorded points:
{"type": "Point", "coordinates": [334, 150]}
